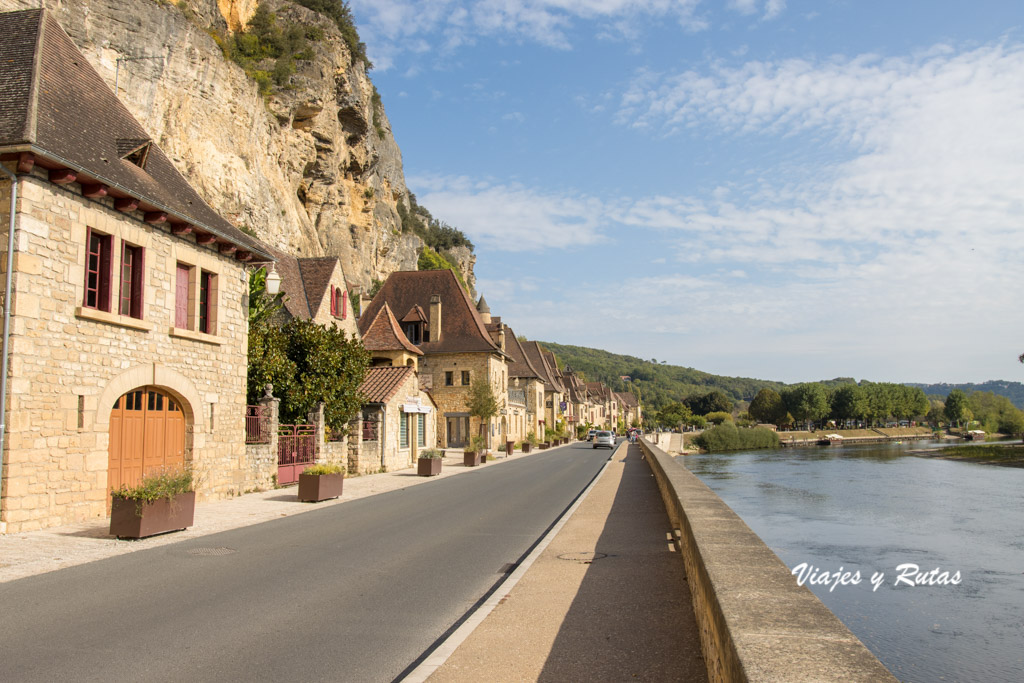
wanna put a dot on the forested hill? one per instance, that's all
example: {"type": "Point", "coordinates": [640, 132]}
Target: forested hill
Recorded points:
{"type": "Point", "coordinates": [1011, 390]}
{"type": "Point", "coordinates": [658, 383]}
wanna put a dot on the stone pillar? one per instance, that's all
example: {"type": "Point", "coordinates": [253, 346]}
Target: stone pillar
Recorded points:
{"type": "Point", "coordinates": [355, 443]}
{"type": "Point", "coordinates": [266, 468]}
{"type": "Point", "coordinates": [316, 418]}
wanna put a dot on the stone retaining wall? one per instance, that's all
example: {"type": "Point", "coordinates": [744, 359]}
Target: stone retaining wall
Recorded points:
{"type": "Point", "coordinates": [756, 623]}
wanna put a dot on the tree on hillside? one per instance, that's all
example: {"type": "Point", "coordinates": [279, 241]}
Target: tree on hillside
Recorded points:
{"type": "Point", "coordinates": [957, 408]}
{"type": "Point", "coordinates": [712, 402]}
{"type": "Point", "coordinates": [767, 407]}
{"type": "Point", "coordinates": [807, 403]}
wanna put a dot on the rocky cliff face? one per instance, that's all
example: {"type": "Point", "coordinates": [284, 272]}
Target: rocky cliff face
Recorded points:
{"type": "Point", "coordinates": [312, 169]}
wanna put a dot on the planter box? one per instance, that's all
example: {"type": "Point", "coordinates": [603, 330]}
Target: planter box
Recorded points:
{"type": "Point", "coordinates": [509, 447]}
{"type": "Point", "coordinates": [129, 519]}
{"type": "Point", "coordinates": [316, 487]}
{"type": "Point", "coordinates": [544, 444]}
{"type": "Point", "coordinates": [428, 467]}
{"type": "Point", "coordinates": [470, 458]}
{"type": "Point", "coordinates": [527, 446]}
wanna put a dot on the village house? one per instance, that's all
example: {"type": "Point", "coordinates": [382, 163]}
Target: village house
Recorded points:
{"type": "Point", "coordinates": [525, 388]}
{"type": "Point", "coordinates": [437, 316]}
{"type": "Point", "coordinates": [398, 421]}
{"type": "Point", "coordinates": [631, 411]}
{"type": "Point", "coordinates": [314, 289]}
{"type": "Point", "coordinates": [553, 389]}
{"type": "Point", "coordinates": [126, 293]}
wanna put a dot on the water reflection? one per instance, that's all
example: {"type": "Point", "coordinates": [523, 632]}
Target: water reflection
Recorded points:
{"type": "Point", "coordinates": [872, 508]}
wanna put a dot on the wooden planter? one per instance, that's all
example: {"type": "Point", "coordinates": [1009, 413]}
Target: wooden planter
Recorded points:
{"type": "Point", "coordinates": [527, 446]}
{"type": "Point", "coordinates": [428, 467]}
{"type": "Point", "coordinates": [316, 487]}
{"type": "Point", "coordinates": [132, 519]}
{"type": "Point", "coordinates": [544, 444]}
{"type": "Point", "coordinates": [509, 447]}
{"type": "Point", "coordinates": [470, 458]}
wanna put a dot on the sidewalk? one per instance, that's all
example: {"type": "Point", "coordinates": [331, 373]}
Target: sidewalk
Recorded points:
{"type": "Point", "coordinates": [606, 600]}
{"type": "Point", "coordinates": [38, 552]}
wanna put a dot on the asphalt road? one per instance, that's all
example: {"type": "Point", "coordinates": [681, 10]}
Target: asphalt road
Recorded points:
{"type": "Point", "coordinates": [354, 592]}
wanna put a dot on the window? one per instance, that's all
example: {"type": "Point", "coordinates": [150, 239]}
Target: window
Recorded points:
{"type": "Point", "coordinates": [403, 430]}
{"type": "Point", "coordinates": [131, 281]}
{"type": "Point", "coordinates": [181, 290]}
{"type": "Point", "coordinates": [465, 378]}
{"type": "Point", "coordinates": [97, 270]}
{"type": "Point", "coordinates": [207, 302]}
{"type": "Point", "coordinates": [334, 301]}
{"type": "Point", "coordinates": [343, 296]}
{"type": "Point", "coordinates": [339, 303]}
{"type": "Point", "coordinates": [421, 430]}
{"type": "Point", "coordinates": [412, 332]}
{"type": "Point", "coordinates": [449, 379]}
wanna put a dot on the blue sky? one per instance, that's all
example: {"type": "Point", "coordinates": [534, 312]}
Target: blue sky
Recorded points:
{"type": "Point", "coordinates": [780, 189]}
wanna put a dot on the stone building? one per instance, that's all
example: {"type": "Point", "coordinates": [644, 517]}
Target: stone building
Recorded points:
{"type": "Point", "coordinates": [127, 297]}
{"type": "Point", "coordinates": [437, 316]}
{"type": "Point", "coordinates": [527, 379]}
{"type": "Point", "coordinates": [315, 289]}
{"type": "Point", "coordinates": [553, 389]}
{"type": "Point", "coordinates": [398, 421]}
{"type": "Point", "coordinates": [631, 411]}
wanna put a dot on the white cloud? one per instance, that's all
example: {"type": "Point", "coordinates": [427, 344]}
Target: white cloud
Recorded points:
{"type": "Point", "coordinates": [510, 217]}
{"type": "Point", "coordinates": [774, 8]}
{"type": "Point", "coordinates": [391, 27]}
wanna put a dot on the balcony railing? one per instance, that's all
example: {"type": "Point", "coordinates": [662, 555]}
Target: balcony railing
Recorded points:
{"type": "Point", "coordinates": [517, 397]}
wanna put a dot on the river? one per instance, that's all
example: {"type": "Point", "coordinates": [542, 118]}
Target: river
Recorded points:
{"type": "Point", "coordinates": [871, 508]}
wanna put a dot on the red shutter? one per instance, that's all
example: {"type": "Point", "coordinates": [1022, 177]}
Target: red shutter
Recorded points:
{"type": "Point", "coordinates": [334, 301]}
{"type": "Point", "coordinates": [344, 305]}
{"type": "Point", "coordinates": [181, 298]}
{"type": "Point", "coordinates": [106, 264]}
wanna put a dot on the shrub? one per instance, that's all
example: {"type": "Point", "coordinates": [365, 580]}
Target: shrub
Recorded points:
{"type": "Point", "coordinates": [325, 468]}
{"type": "Point", "coordinates": [431, 454]}
{"type": "Point", "coordinates": [718, 417]}
{"type": "Point", "coordinates": [532, 438]}
{"type": "Point", "coordinates": [166, 484]}
{"type": "Point", "coordinates": [476, 444]}
{"type": "Point", "coordinates": [727, 437]}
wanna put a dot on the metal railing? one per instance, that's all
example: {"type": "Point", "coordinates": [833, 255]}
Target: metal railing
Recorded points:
{"type": "Point", "coordinates": [517, 396]}
{"type": "Point", "coordinates": [257, 424]}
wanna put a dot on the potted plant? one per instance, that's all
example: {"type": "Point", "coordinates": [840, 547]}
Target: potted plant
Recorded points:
{"type": "Point", "coordinates": [531, 441]}
{"type": "Point", "coordinates": [471, 456]}
{"type": "Point", "coordinates": [428, 464]}
{"type": "Point", "coordinates": [321, 482]}
{"type": "Point", "coordinates": [159, 503]}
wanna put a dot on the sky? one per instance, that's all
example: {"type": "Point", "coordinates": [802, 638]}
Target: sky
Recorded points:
{"type": "Point", "coordinates": [791, 190]}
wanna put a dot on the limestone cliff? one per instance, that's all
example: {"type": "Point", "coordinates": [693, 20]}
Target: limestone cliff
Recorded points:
{"type": "Point", "coordinates": [312, 168]}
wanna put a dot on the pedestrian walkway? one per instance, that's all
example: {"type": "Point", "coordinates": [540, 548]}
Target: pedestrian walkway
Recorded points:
{"type": "Point", "coordinates": [37, 552]}
{"type": "Point", "coordinates": [607, 600]}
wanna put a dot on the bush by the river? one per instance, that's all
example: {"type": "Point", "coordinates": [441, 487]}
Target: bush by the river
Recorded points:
{"type": "Point", "coordinates": [728, 437]}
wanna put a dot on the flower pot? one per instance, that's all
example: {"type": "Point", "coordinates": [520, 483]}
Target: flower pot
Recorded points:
{"type": "Point", "coordinates": [428, 467]}
{"type": "Point", "coordinates": [316, 487]}
{"type": "Point", "coordinates": [527, 446]}
{"type": "Point", "coordinates": [135, 519]}
{"type": "Point", "coordinates": [470, 458]}
{"type": "Point", "coordinates": [544, 444]}
{"type": "Point", "coordinates": [509, 447]}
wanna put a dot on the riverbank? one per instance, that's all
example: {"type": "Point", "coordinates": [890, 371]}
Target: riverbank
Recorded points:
{"type": "Point", "coordinates": [1003, 455]}
{"type": "Point", "coordinates": [805, 438]}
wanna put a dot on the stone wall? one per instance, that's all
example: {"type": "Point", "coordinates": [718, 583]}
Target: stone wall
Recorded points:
{"type": "Point", "coordinates": [453, 399]}
{"type": "Point", "coordinates": [69, 364]}
{"type": "Point", "coordinates": [756, 623]}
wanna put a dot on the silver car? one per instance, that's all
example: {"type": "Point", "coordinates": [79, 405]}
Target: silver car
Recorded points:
{"type": "Point", "coordinates": [604, 439]}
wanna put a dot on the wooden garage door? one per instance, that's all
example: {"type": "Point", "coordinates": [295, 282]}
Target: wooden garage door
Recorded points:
{"type": "Point", "coordinates": [147, 435]}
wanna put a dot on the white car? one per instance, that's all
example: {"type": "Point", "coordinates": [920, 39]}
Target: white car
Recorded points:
{"type": "Point", "coordinates": [591, 434]}
{"type": "Point", "coordinates": [604, 439]}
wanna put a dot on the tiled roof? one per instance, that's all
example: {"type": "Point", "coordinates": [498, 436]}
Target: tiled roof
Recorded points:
{"type": "Point", "coordinates": [535, 354]}
{"type": "Point", "coordinates": [521, 365]}
{"type": "Point", "coordinates": [54, 105]}
{"type": "Point", "coordinates": [384, 334]}
{"type": "Point", "coordinates": [628, 399]}
{"type": "Point", "coordinates": [462, 330]}
{"type": "Point", "coordinates": [556, 376]}
{"type": "Point", "coordinates": [304, 281]}
{"type": "Point", "coordinates": [381, 383]}
{"type": "Point", "coordinates": [415, 315]}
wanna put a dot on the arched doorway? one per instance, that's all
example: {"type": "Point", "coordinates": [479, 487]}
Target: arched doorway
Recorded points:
{"type": "Point", "coordinates": [147, 435]}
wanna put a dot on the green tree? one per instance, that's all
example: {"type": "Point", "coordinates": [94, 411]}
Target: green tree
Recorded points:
{"type": "Point", "coordinates": [849, 402]}
{"type": "Point", "coordinates": [718, 417]}
{"type": "Point", "coordinates": [482, 404]}
{"type": "Point", "coordinates": [957, 408]}
{"type": "Point", "coordinates": [673, 415]}
{"type": "Point", "coordinates": [712, 402]}
{"type": "Point", "coordinates": [768, 407]}
{"type": "Point", "coordinates": [806, 402]}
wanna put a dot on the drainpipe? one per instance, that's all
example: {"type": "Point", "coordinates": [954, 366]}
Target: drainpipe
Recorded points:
{"type": "Point", "coordinates": [7, 315]}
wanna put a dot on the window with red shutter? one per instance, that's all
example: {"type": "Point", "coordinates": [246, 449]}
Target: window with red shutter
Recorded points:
{"type": "Point", "coordinates": [97, 270]}
{"type": "Point", "coordinates": [334, 301]}
{"type": "Point", "coordinates": [181, 296]}
{"type": "Point", "coordinates": [207, 302]}
{"type": "Point", "coordinates": [132, 270]}
{"type": "Point", "coordinates": [344, 304]}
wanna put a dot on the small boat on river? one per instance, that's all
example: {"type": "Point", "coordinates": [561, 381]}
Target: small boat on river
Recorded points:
{"type": "Point", "coordinates": [974, 435]}
{"type": "Point", "coordinates": [830, 440]}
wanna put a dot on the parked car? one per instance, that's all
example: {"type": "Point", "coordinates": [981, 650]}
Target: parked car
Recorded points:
{"type": "Point", "coordinates": [604, 439]}
{"type": "Point", "coordinates": [590, 434]}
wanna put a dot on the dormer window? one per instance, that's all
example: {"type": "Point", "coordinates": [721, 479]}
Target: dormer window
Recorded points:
{"type": "Point", "coordinates": [134, 150]}
{"type": "Point", "coordinates": [413, 332]}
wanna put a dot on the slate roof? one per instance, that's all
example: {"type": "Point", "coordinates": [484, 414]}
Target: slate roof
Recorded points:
{"type": "Point", "coordinates": [304, 281]}
{"type": "Point", "coordinates": [628, 399]}
{"type": "Point", "coordinates": [535, 354]}
{"type": "Point", "coordinates": [462, 330]}
{"type": "Point", "coordinates": [382, 383]}
{"type": "Point", "coordinates": [54, 105]}
{"type": "Point", "coordinates": [384, 334]}
{"type": "Point", "coordinates": [520, 365]}
{"type": "Point", "coordinates": [416, 315]}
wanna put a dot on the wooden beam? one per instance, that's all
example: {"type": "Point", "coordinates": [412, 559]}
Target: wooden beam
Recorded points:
{"type": "Point", "coordinates": [180, 229]}
{"type": "Point", "coordinates": [26, 160]}
{"type": "Point", "coordinates": [63, 176]}
{"type": "Point", "coordinates": [227, 248]}
{"type": "Point", "coordinates": [155, 217]}
{"type": "Point", "coordinates": [126, 204]}
{"type": "Point", "coordinates": [244, 256]}
{"type": "Point", "coordinates": [94, 190]}
{"type": "Point", "coordinates": [205, 238]}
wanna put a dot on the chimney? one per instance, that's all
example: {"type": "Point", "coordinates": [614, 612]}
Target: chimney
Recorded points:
{"type": "Point", "coordinates": [435, 317]}
{"type": "Point", "coordinates": [501, 337]}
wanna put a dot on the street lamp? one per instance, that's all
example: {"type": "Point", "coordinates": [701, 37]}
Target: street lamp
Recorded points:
{"type": "Point", "coordinates": [273, 281]}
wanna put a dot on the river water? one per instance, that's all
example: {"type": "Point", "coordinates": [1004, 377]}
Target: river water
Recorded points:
{"type": "Point", "coordinates": [872, 508]}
